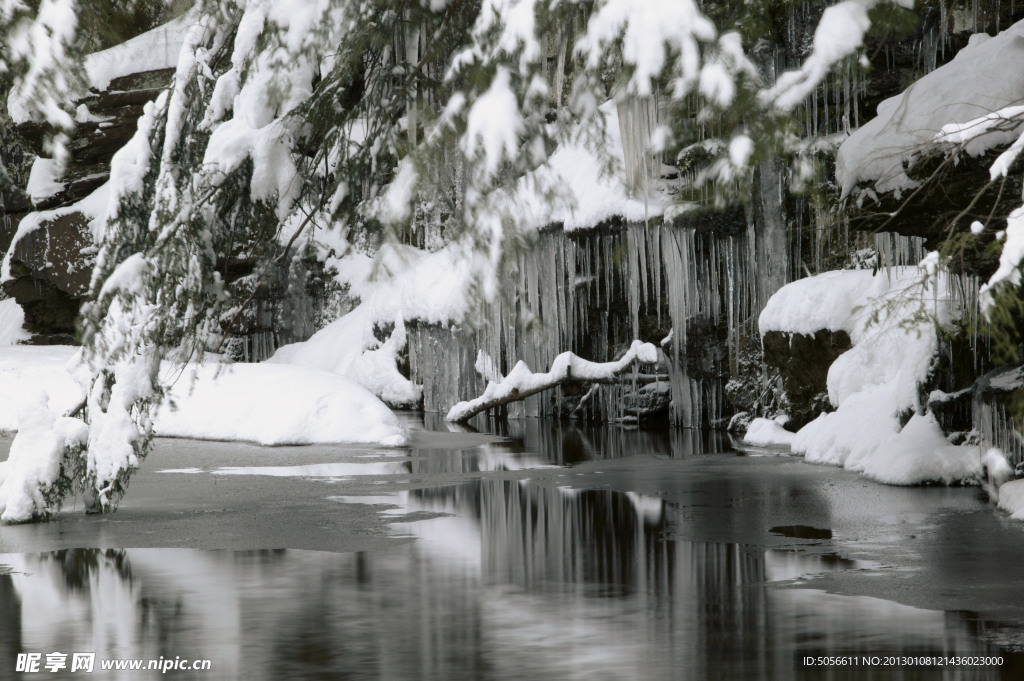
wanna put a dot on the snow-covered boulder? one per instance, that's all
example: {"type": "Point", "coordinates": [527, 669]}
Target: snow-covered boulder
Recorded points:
{"type": "Point", "coordinates": [274, 405]}
{"type": "Point", "coordinates": [46, 272]}
{"type": "Point", "coordinates": [985, 76]}
{"type": "Point", "coordinates": [890, 318]}
{"type": "Point", "coordinates": [768, 433]}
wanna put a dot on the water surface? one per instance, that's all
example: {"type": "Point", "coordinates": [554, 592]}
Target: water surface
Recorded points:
{"type": "Point", "coordinates": [562, 552]}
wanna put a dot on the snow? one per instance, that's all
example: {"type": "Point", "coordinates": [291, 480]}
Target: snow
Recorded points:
{"type": "Point", "coordinates": [1011, 499]}
{"type": "Point", "coordinates": [983, 78]}
{"type": "Point", "coordinates": [34, 463]}
{"type": "Point", "coordinates": [764, 432]}
{"type": "Point", "coordinates": [494, 124]}
{"type": "Point", "coordinates": [891, 322]}
{"type": "Point", "coordinates": [30, 367]}
{"type": "Point", "coordinates": [151, 51]}
{"type": "Point", "coordinates": [263, 403]}
{"type": "Point", "coordinates": [42, 180]}
{"type": "Point", "coordinates": [328, 471]}
{"type": "Point", "coordinates": [12, 320]}
{"type": "Point", "coordinates": [273, 404]}
{"type": "Point", "coordinates": [522, 381]}
{"type": "Point", "coordinates": [839, 34]}
{"type": "Point", "coordinates": [348, 347]}
{"type": "Point", "coordinates": [921, 453]}
{"type": "Point", "coordinates": [585, 194]}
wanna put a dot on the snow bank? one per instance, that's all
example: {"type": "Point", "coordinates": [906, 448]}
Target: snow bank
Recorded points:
{"type": "Point", "coordinates": [768, 433]}
{"type": "Point", "coordinates": [348, 347]}
{"type": "Point", "coordinates": [273, 404]}
{"type": "Point", "coordinates": [1011, 499]}
{"type": "Point", "coordinates": [920, 453]}
{"type": "Point", "coordinates": [891, 320]}
{"type": "Point", "coordinates": [12, 320]}
{"type": "Point", "coordinates": [264, 403]}
{"type": "Point", "coordinates": [24, 368]}
{"type": "Point", "coordinates": [985, 76]}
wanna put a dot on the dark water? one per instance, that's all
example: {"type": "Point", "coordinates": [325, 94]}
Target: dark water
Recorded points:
{"type": "Point", "coordinates": [567, 553]}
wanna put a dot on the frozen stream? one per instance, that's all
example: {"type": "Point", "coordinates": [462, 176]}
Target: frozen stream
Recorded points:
{"type": "Point", "coordinates": [562, 552]}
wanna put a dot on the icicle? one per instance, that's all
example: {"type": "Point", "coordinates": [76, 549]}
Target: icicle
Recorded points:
{"type": "Point", "coordinates": [563, 49]}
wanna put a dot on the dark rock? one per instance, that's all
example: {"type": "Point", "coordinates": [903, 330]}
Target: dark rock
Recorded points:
{"type": "Point", "coordinates": [936, 210]}
{"type": "Point", "coordinates": [146, 80]}
{"type": "Point", "coordinates": [648, 403]}
{"type": "Point", "coordinates": [952, 410]}
{"type": "Point", "coordinates": [51, 267]}
{"type": "Point", "coordinates": [803, 362]}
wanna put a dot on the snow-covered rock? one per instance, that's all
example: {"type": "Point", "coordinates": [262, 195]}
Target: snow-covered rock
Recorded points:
{"type": "Point", "coordinates": [891, 319]}
{"type": "Point", "coordinates": [985, 76]}
{"type": "Point", "coordinates": [768, 433]}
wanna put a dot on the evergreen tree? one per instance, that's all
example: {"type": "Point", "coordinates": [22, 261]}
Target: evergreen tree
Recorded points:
{"type": "Point", "coordinates": [353, 113]}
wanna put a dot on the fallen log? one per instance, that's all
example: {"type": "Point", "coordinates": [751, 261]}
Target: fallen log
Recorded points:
{"type": "Point", "coordinates": [522, 383]}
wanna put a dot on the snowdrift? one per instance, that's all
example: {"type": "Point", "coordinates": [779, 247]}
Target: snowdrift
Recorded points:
{"type": "Point", "coordinates": [264, 403]}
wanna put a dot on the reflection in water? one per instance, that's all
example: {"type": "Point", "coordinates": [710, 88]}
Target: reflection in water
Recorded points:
{"type": "Point", "coordinates": [569, 442]}
{"type": "Point", "coordinates": [522, 580]}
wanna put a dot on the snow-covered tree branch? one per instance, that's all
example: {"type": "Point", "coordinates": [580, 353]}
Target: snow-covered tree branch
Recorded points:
{"type": "Point", "coordinates": [522, 383]}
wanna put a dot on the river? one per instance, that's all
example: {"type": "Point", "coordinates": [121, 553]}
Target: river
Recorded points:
{"type": "Point", "coordinates": [541, 551]}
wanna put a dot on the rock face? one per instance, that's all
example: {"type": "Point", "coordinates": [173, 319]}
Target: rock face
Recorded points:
{"type": "Point", "coordinates": [110, 119]}
{"type": "Point", "coordinates": [803, 362]}
{"type": "Point", "coordinates": [52, 264]}
{"type": "Point", "coordinates": [51, 267]}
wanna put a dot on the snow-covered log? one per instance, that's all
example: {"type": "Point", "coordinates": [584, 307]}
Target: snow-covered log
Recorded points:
{"type": "Point", "coordinates": [521, 382]}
